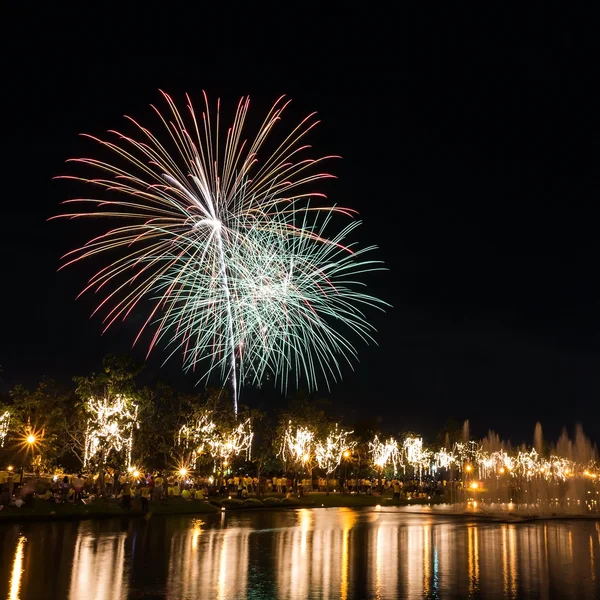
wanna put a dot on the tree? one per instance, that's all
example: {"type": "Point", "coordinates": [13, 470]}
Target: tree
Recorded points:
{"type": "Point", "coordinates": [264, 453]}
{"type": "Point", "coordinates": [42, 414]}
{"type": "Point", "coordinates": [214, 430]}
{"type": "Point", "coordinates": [330, 451]}
{"type": "Point", "coordinates": [110, 402]}
{"type": "Point", "coordinates": [4, 424]}
{"type": "Point", "coordinates": [301, 424]}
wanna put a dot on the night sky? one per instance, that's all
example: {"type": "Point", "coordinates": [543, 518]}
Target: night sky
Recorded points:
{"type": "Point", "coordinates": [470, 148]}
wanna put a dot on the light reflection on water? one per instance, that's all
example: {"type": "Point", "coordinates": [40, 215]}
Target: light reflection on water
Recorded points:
{"type": "Point", "coordinates": [323, 553]}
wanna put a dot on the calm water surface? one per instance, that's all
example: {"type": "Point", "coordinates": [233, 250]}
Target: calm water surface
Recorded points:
{"type": "Point", "coordinates": [324, 553]}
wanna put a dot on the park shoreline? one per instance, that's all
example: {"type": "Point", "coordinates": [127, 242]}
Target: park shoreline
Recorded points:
{"type": "Point", "coordinates": [107, 509]}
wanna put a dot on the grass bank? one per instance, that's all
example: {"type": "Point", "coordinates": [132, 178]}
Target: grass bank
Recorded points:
{"type": "Point", "coordinates": [102, 509]}
{"type": "Point", "coordinates": [41, 510]}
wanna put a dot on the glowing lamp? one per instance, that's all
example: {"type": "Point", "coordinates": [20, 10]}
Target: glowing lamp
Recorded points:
{"type": "Point", "coordinates": [10, 467]}
{"type": "Point", "coordinates": [474, 485]}
{"type": "Point", "coordinates": [31, 439]}
{"type": "Point", "coordinates": [183, 472]}
{"type": "Point", "coordinates": [346, 454]}
{"type": "Point", "coordinates": [468, 468]}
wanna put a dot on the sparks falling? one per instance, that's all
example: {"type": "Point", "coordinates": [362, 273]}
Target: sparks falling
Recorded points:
{"type": "Point", "coordinates": [222, 240]}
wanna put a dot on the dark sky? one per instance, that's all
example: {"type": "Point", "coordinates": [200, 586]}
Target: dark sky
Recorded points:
{"type": "Point", "coordinates": [470, 148]}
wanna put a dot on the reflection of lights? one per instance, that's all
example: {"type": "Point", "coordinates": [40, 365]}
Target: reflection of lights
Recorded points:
{"type": "Point", "coordinates": [305, 525]}
{"type": "Point", "coordinates": [223, 575]}
{"type": "Point", "coordinates": [98, 569]}
{"type": "Point", "coordinates": [196, 531]}
{"type": "Point", "coordinates": [473, 560]}
{"type": "Point", "coordinates": [348, 520]}
{"type": "Point", "coordinates": [17, 571]}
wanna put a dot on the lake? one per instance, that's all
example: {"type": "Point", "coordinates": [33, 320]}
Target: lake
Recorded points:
{"type": "Point", "coordinates": [335, 553]}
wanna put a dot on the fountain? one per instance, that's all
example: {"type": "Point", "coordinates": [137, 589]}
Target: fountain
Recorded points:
{"type": "Point", "coordinates": [538, 439]}
{"type": "Point", "coordinates": [562, 481]}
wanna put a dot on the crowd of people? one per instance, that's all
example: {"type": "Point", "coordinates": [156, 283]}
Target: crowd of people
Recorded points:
{"type": "Point", "coordinates": [137, 491]}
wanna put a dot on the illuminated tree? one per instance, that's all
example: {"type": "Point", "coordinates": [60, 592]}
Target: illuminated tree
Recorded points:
{"type": "Point", "coordinates": [384, 454]}
{"type": "Point", "coordinates": [109, 415]}
{"type": "Point", "coordinates": [110, 426]}
{"type": "Point", "coordinates": [4, 424]}
{"type": "Point", "coordinates": [46, 408]}
{"type": "Point", "coordinates": [209, 435]}
{"type": "Point", "coordinates": [297, 447]}
{"type": "Point", "coordinates": [330, 451]}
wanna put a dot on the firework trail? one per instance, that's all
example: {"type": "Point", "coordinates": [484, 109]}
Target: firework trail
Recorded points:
{"type": "Point", "coordinates": [224, 240]}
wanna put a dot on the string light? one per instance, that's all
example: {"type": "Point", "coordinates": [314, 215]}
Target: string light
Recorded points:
{"type": "Point", "coordinates": [384, 453]}
{"type": "Point", "coordinates": [471, 457]}
{"type": "Point", "coordinates": [330, 452]}
{"type": "Point", "coordinates": [110, 427]}
{"type": "Point", "coordinates": [297, 445]}
{"type": "Point", "coordinates": [222, 443]}
{"type": "Point", "coordinates": [4, 424]}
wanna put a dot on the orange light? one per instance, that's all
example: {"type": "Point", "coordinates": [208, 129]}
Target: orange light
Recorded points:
{"type": "Point", "coordinates": [468, 468]}
{"type": "Point", "coordinates": [31, 439]}
{"type": "Point", "coordinates": [346, 453]}
{"type": "Point", "coordinates": [474, 485]}
{"type": "Point", "coordinates": [502, 470]}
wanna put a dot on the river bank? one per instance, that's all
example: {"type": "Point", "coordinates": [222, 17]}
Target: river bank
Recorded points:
{"type": "Point", "coordinates": [41, 510]}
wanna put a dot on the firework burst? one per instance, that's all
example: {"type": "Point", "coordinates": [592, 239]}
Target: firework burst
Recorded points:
{"type": "Point", "coordinates": [221, 236]}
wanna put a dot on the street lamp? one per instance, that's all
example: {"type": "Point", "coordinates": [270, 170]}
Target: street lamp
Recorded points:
{"type": "Point", "coordinates": [346, 456]}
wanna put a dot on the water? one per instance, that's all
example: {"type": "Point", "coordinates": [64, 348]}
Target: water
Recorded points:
{"type": "Point", "coordinates": [324, 553]}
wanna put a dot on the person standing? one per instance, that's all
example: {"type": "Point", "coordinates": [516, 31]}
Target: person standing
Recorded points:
{"type": "Point", "coordinates": [144, 496]}
{"type": "Point", "coordinates": [78, 487]}
{"type": "Point", "coordinates": [126, 495]}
